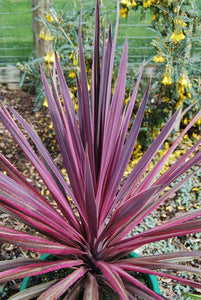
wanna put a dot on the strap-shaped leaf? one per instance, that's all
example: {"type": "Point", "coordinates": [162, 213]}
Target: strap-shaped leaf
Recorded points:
{"type": "Point", "coordinates": [13, 263]}
{"type": "Point", "coordinates": [141, 166]}
{"type": "Point", "coordinates": [91, 288]}
{"type": "Point", "coordinates": [35, 243]}
{"type": "Point", "coordinates": [37, 163]}
{"type": "Point", "coordinates": [86, 105]}
{"type": "Point", "coordinates": [137, 283]}
{"type": "Point", "coordinates": [171, 257]}
{"type": "Point", "coordinates": [33, 292]}
{"type": "Point", "coordinates": [155, 202]}
{"type": "Point", "coordinates": [141, 269]}
{"type": "Point", "coordinates": [152, 175]}
{"type": "Point", "coordinates": [66, 145]}
{"type": "Point", "coordinates": [90, 201]}
{"type": "Point", "coordinates": [101, 113]}
{"type": "Point", "coordinates": [119, 164]}
{"type": "Point", "coordinates": [156, 235]}
{"type": "Point", "coordinates": [76, 290]}
{"type": "Point", "coordinates": [12, 172]}
{"type": "Point", "coordinates": [113, 121]}
{"type": "Point", "coordinates": [137, 292]}
{"type": "Point", "coordinates": [113, 278]}
{"type": "Point", "coordinates": [126, 212]}
{"type": "Point", "coordinates": [18, 198]}
{"type": "Point", "coordinates": [95, 79]}
{"type": "Point", "coordinates": [69, 120]}
{"type": "Point", "coordinates": [50, 165]}
{"type": "Point", "coordinates": [37, 269]}
{"type": "Point", "coordinates": [62, 286]}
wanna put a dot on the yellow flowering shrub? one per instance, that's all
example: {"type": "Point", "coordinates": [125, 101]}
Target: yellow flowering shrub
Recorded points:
{"type": "Point", "coordinates": [175, 24]}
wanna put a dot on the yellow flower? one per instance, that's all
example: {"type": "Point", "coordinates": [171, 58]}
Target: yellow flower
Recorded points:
{"type": "Point", "coordinates": [129, 3]}
{"type": "Point", "coordinates": [41, 35]}
{"type": "Point", "coordinates": [71, 74]}
{"type": "Point", "coordinates": [125, 2]}
{"type": "Point", "coordinates": [179, 103]}
{"type": "Point", "coordinates": [126, 100]}
{"type": "Point", "coordinates": [49, 58]}
{"type": "Point", "coordinates": [166, 99]}
{"type": "Point", "coordinates": [180, 22]}
{"type": "Point", "coordinates": [124, 12]}
{"type": "Point", "coordinates": [159, 58]}
{"type": "Point", "coordinates": [71, 94]}
{"type": "Point", "coordinates": [132, 3]}
{"type": "Point", "coordinates": [198, 122]}
{"type": "Point", "coordinates": [180, 207]}
{"type": "Point", "coordinates": [184, 81]}
{"type": "Point", "coordinates": [51, 124]}
{"type": "Point", "coordinates": [49, 18]}
{"type": "Point", "coordinates": [154, 17]}
{"type": "Point", "coordinates": [166, 80]}
{"type": "Point", "coordinates": [45, 104]}
{"type": "Point", "coordinates": [74, 57]}
{"type": "Point", "coordinates": [46, 37]}
{"type": "Point", "coordinates": [71, 55]}
{"type": "Point", "coordinates": [75, 61]}
{"type": "Point", "coordinates": [177, 36]}
{"type": "Point", "coordinates": [76, 107]}
{"type": "Point", "coordinates": [147, 3]}
{"type": "Point", "coordinates": [196, 136]}
{"type": "Point", "coordinates": [189, 95]}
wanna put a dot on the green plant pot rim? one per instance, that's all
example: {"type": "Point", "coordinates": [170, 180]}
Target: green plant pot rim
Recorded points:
{"type": "Point", "coordinates": [152, 281]}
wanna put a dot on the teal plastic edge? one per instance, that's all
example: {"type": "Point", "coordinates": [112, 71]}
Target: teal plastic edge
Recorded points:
{"type": "Point", "coordinates": [26, 280]}
{"type": "Point", "coordinates": [152, 281]}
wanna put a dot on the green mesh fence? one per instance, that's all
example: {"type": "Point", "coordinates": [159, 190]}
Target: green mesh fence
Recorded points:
{"type": "Point", "coordinates": [16, 38]}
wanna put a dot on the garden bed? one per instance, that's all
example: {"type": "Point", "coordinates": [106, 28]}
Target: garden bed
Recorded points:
{"type": "Point", "coordinates": [42, 125]}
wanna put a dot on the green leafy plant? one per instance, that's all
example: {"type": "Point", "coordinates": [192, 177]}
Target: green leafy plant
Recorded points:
{"type": "Point", "coordinates": [86, 225]}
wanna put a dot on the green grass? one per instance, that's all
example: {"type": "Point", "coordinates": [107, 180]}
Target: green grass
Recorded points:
{"type": "Point", "coordinates": [16, 41]}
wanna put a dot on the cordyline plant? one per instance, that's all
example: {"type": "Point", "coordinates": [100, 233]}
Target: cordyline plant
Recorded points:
{"type": "Point", "coordinates": [88, 231]}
